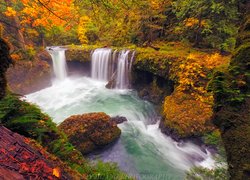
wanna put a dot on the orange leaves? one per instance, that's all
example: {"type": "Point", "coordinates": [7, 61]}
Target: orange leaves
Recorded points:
{"type": "Point", "coordinates": [186, 114]}
{"type": "Point", "coordinates": [10, 12]}
{"type": "Point", "coordinates": [44, 13]}
{"type": "Point", "coordinates": [15, 57]}
{"type": "Point", "coordinates": [57, 172]}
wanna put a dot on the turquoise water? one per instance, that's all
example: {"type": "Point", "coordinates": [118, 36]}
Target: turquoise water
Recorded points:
{"type": "Point", "coordinates": [142, 151]}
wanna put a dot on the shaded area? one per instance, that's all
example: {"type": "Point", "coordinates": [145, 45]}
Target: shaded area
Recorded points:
{"type": "Point", "coordinates": [232, 103]}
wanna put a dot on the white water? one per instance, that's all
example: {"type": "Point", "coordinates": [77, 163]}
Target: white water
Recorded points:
{"type": "Point", "coordinates": [142, 151]}
{"type": "Point", "coordinates": [59, 62]}
{"type": "Point", "coordinates": [100, 64]}
{"type": "Point", "coordinates": [105, 63]}
{"type": "Point", "coordinates": [142, 148]}
{"type": "Point", "coordinates": [123, 69]}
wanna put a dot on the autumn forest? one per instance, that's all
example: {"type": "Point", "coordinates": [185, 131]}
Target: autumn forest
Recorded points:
{"type": "Point", "coordinates": [129, 89]}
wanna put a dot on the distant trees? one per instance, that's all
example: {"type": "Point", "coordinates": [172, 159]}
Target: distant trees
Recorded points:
{"type": "Point", "coordinates": [210, 23]}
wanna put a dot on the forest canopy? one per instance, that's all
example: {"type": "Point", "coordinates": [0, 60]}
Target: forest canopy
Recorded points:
{"type": "Point", "coordinates": [205, 24]}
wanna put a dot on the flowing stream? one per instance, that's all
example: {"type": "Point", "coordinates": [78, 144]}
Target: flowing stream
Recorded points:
{"type": "Point", "coordinates": [142, 151]}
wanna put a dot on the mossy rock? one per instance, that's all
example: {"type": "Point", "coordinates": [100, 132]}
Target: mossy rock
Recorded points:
{"type": "Point", "coordinates": [185, 116]}
{"type": "Point", "coordinates": [91, 131]}
{"type": "Point", "coordinates": [78, 55]}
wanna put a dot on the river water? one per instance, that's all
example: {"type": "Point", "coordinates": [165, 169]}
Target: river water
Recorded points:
{"type": "Point", "coordinates": [142, 151]}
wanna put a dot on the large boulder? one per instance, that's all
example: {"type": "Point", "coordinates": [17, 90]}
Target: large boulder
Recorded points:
{"type": "Point", "coordinates": [91, 131]}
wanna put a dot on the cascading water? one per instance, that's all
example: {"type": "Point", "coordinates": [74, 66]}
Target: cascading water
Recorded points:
{"type": "Point", "coordinates": [107, 66]}
{"type": "Point", "coordinates": [100, 64]}
{"type": "Point", "coordinates": [123, 69]}
{"type": "Point", "coordinates": [59, 62]}
{"type": "Point", "coordinates": [142, 151]}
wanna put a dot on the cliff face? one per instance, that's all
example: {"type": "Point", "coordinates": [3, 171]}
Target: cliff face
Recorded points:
{"type": "Point", "coordinates": [28, 76]}
{"type": "Point", "coordinates": [232, 104]}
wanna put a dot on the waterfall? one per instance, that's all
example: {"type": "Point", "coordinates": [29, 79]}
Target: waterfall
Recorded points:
{"type": "Point", "coordinates": [100, 64]}
{"type": "Point", "coordinates": [122, 70]}
{"type": "Point", "coordinates": [112, 66]}
{"type": "Point", "coordinates": [59, 62]}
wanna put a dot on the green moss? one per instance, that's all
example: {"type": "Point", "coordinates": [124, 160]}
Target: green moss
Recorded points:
{"type": "Point", "coordinates": [232, 108]}
{"type": "Point", "coordinates": [107, 171]}
{"type": "Point", "coordinates": [200, 173]}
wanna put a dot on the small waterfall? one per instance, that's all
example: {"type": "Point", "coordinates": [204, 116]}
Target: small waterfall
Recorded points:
{"type": "Point", "coordinates": [59, 62]}
{"type": "Point", "coordinates": [100, 64]}
{"type": "Point", "coordinates": [122, 70]}
{"type": "Point", "coordinates": [124, 66]}
{"type": "Point", "coordinates": [112, 66]}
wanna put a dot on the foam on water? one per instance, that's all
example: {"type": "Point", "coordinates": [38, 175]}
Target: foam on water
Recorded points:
{"type": "Point", "coordinates": [142, 148]}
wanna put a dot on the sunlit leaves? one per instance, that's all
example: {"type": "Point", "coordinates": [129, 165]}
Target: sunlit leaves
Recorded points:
{"type": "Point", "coordinates": [10, 12]}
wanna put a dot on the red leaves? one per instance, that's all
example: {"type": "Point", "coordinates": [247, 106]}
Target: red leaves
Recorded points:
{"type": "Point", "coordinates": [16, 155]}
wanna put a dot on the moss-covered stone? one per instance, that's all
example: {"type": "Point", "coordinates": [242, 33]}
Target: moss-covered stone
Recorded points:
{"type": "Point", "coordinates": [232, 105]}
{"type": "Point", "coordinates": [78, 55]}
{"type": "Point", "coordinates": [186, 116]}
{"type": "Point", "coordinates": [90, 131]}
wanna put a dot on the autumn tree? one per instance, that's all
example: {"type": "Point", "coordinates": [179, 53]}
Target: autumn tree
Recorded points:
{"type": "Point", "coordinates": [35, 19]}
{"type": "Point", "coordinates": [123, 22]}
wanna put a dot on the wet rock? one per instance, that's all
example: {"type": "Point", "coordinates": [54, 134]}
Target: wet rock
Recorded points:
{"type": "Point", "coordinates": [118, 119]}
{"type": "Point", "coordinates": [112, 82]}
{"type": "Point", "coordinates": [89, 132]}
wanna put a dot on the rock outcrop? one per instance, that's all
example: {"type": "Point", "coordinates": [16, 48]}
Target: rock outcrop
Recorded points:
{"type": "Point", "coordinates": [91, 131]}
{"type": "Point", "coordinates": [118, 119]}
{"type": "Point", "coordinates": [232, 104]}
{"type": "Point", "coordinates": [29, 76]}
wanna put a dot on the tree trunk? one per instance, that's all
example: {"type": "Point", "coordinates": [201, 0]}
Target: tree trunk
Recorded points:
{"type": "Point", "coordinates": [198, 33]}
{"type": "Point", "coordinates": [16, 21]}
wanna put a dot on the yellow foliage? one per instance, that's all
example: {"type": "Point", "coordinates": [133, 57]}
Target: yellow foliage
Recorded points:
{"type": "Point", "coordinates": [190, 22]}
{"type": "Point", "coordinates": [10, 12]}
{"type": "Point", "coordinates": [83, 28]}
{"type": "Point", "coordinates": [186, 114]}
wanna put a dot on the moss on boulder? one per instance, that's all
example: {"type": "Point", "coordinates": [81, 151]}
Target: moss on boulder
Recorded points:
{"type": "Point", "coordinates": [90, 131]}
{"type": "Point", "coordinates": [185, 116]}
